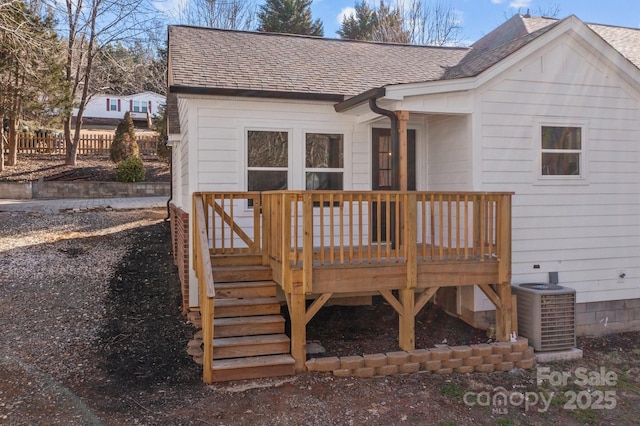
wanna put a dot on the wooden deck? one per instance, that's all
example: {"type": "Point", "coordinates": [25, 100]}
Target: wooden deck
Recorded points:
{"type": "Point", "coordinates": [314, 244]}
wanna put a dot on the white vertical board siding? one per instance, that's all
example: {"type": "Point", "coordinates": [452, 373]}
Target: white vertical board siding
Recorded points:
{"type": "Point", "coordinates": [448, 154]}
{"type": "Point", "coordinates": [586, 229]}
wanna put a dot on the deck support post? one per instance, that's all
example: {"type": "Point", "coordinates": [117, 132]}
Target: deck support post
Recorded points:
{"type": "Point", "coordinates": [407, 327]}
{"type": "Point", "coordinates": [407, 339]}
{"type": "Point", "coordinates": [297, 312]}
{"type": "Point", "coordinates": [504, 327]}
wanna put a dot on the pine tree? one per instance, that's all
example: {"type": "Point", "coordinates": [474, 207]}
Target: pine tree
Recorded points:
{"type": "Point", "coordinates": [124, 143]}
{"type": "Point", "coordinates": [361, 25]}
{"type": "Point", "coordinates": [290, 17]}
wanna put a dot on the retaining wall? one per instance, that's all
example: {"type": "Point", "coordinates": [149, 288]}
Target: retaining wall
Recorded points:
{"type": "Point", "coordinates": [71, 189]}
{"type": "Point", "coordinates": [484, 358]}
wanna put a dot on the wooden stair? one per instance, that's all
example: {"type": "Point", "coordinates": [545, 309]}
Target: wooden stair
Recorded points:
{"type": "Point", "coordinates": [249, 340]}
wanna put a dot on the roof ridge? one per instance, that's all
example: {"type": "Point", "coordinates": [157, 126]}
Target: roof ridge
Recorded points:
{"type": "Point", "coordinates": [328, 39]}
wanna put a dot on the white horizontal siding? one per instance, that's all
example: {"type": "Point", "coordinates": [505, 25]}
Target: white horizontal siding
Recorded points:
{"type": "Point", "coordinates": [221, 139]}
{"type": "Point", "coordinates": [585, 229]}
{"type": "Point", "coordinates": [448, 154]}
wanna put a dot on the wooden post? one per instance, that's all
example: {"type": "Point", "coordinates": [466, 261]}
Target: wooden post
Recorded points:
{"type": "Point", "coordinates": [266, 207]}
{"type": "Point", "coordinates": [407, 339]}
{"type": "Point", "coordinates": [297, 311]}
{"type": "Point", "coordinates": [503, 315]}
{"type": "Point", "coordinates": [307, 242]}
{"type": "Point", "coordinates": [403, 117]}
{"type": "Point", "coordinates": [407, 328]}
{"type": "Point", "coordinates": [285, 242]}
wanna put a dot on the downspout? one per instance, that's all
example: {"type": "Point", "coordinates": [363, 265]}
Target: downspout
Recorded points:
{"type": "Point", "coordinates": [394, 131]}
{"type": "Point", "coordinates": [166, 219]}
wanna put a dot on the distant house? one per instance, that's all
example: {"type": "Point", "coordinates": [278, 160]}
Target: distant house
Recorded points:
{"type": "Point", "coordinates": [109, 109]}
{"type": "Point", "coordinates": [320, 133]}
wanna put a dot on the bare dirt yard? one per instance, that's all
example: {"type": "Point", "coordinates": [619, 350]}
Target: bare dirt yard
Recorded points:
{"type": "Point", "coordinates": [32, 167]}
{"type": "Point", "coordinates": [92, 333]}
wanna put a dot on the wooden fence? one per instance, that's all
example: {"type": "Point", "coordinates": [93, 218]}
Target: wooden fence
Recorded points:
{"type": "Point", "coordinates": [97, 144]}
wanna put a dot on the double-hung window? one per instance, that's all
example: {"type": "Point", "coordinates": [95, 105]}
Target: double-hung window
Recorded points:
{"type": "Point", "coordinates": [268, 160]}
{"type": "Point", "coordinates": [562, 151]}
{"type": "Point", "coordinates": [139, 106]}
{"type": "Point", "coordinates": [324, 161]}
{"type": "Point", "coordinates": [113, 105]}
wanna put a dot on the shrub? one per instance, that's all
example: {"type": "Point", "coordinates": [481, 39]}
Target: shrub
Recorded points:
{"type": "Point", "coordinates": [124, 143]}
{"type": "Point", "coordinates": [130, 170]}
{"type": "Point", "coordinates": [163, 151]}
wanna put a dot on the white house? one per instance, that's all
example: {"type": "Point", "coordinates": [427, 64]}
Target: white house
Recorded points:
{"type": "Point", "coordinates": [546, 109]}
{"type": "Point", "coordinates": [110, 109]}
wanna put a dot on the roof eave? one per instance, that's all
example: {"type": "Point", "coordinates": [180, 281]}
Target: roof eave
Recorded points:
{"type": "Point", "coordinates": [346, 105]}
{"type": "Point", "coordinates": [254, 93]}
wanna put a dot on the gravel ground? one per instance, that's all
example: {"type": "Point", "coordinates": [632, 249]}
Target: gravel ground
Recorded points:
{"type": "Point", "coordinates": [55, 284]}
{"type": "Point", "coordinates": [92, 334]}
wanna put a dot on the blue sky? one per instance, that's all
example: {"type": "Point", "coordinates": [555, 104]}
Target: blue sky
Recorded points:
{"type": "Point", "coordinates": [478, 17]}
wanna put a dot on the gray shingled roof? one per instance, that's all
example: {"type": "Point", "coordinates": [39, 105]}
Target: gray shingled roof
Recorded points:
{"type": "Point", "coordinates": [213, 58]}
{"type": "Point", "coordinates": [206, 60]}
{"type": "Point", "coordinates": [624, 40]}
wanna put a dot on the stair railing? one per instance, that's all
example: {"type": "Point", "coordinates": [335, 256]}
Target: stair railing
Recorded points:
{"type": "Point", "coordinates": [206, 286]}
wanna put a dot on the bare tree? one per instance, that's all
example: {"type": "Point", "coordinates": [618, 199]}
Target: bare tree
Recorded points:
{"type": "Point", "coordinates": [227, 14]}
{"type": "Point", "coordinates": [433, 23]}
{"type": "Point", "coordinates": [551, 10]}
{"type": "Point", "coordinates": [410, 21]}
{"type": "Point", "coordinates": [90, 26]}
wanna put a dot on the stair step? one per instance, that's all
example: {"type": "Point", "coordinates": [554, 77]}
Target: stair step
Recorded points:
{"type": "Point", "coordinates": [245, 289]}
{"type": "Point", "coordinates": [241, 273]}
{"type": "Point", "coordinates": [236, 259]}
{"type": "Point", "coordinates": [248, 326]}
{"type": "Point", "coordinates": [253, 367]}
{"type": "Point", "coordinates": [236, 347]}
{"type": "Point", "coordinates": [225, 308]}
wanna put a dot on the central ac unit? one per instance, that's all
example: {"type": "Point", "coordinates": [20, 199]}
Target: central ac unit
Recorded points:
{"type": "Point", "coordinates": [546, 315]}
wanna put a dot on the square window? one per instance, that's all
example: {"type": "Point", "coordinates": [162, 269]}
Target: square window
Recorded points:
{"type": "Point", "coordinates": [562, 151]}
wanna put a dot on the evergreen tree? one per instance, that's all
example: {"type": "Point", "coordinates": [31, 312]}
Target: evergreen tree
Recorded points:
{"type": "Point", "coordinates": [361, 25]}
{"type": "Point", "coordinates": [124, 143]}
{"type": "Point", "coordinates": [290, 17]}
{"type": "Point", "coordinates": [429, 22]}
{"type": "Point", "coordinates": [31, 67]}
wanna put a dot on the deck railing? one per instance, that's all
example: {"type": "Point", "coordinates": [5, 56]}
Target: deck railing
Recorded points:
{"type": "Point", "coordinates": [233, 222]}
{"type": "Point", "coordinates": [313, 229]}
{"type": "Point", "coordinates": [406, 236]}
{"type": "Point", "coordinates": [206, 286]}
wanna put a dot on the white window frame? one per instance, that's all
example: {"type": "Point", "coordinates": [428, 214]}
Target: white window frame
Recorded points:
{"type": "Point", "coordinates": [579, 179]}
{"type": "Point", "coordinates": [113, 105]}
{"type": "Point", "coordinates": [323, 169]}
{"type": "Point", "coordinates": [289, 133]}
{"type": "Point", "coordinates": [139, 106]}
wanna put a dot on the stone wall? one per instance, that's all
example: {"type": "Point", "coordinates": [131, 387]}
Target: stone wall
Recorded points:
{"type": "Point", "coordinates": [16, 190]}
{"type": "Point", "coordinates": [485, 358]}
{"type": "Point", "coordinates": [59, 189]}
